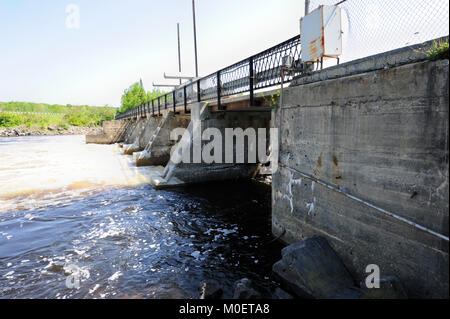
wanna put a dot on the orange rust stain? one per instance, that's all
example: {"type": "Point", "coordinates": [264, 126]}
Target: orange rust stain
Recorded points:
{"type": "Point", "coordinates": [314, 46]}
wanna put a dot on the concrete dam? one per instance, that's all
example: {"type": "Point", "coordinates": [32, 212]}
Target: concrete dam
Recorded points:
{"type": "Point", "coordinates": [359, 155]}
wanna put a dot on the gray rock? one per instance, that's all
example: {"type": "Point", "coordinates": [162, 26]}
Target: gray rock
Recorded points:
{"type": "Point", "coordinates": [243, 290]}
{"type": "Point", "coordinates": [390, 288]}
{"type": "Point", "coordinates": [347, 293]}
{"type": "Point", "coordinates": [311, 269]}
{"type": "Point", "coordinates": [281, 294]}
{"type": "Point", "coordinates": [211, 290]}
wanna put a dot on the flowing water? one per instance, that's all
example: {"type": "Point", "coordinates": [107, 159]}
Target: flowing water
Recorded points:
{"type": "Point", "coordinates": [81, 221]}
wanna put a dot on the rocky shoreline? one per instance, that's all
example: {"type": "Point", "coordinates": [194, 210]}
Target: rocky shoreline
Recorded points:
{"type": "Point", "coordinates": [51, 130]}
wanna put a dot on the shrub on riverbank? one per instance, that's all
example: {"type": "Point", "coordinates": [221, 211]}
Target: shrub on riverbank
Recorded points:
{"type": "Point", "coordinates": [29, 120]}
{"type": "Point", "coordinates": [67, 115]}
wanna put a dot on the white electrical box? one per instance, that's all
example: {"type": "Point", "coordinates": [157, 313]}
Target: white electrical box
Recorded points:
{"type": "Point", "coordinates": [321, 34]}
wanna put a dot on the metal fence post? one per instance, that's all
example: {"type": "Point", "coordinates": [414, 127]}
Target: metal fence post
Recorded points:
{"type": "Point", "coordinates": [185, 99]}
{"type": "Point", "coordinates": [174, 103]}
{"type": "Point", "coordinates": [159, 107]}
{"type": "Point", "coordinates": [251, 83]}
{"type": "Point", "coordinates": [219, 106]}
{"type": "Point", "coordinates": [165, 101]}
{"type": "Point", "coordinates": [153, 108]}
{"type": "Point", "coordinates": [199, 98]}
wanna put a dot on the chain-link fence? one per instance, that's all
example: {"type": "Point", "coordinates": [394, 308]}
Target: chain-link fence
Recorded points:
{"type": "Point", "coordinates": [376, 26]}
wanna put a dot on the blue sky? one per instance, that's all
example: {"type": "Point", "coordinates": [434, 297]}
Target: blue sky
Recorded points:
{"type": "Point", "coordinates": [119, 42]}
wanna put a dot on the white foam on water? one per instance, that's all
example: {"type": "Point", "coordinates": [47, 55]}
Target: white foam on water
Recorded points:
{"type": "Point", "coordinates": [116, 275]}
{"type": "Point", "coordinates": [59, 168]}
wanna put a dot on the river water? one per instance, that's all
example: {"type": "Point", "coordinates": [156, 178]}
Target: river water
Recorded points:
{"type": "Point", "coordinates": [81, 221]}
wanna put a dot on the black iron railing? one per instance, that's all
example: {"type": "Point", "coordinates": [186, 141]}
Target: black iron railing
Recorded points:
{"type": "Point", "coordinates": [256, 72]}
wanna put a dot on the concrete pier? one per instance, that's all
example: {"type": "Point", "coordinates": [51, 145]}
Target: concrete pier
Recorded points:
{"type": "Point", "coordinates": [156, 150]}
{"type": "Point", "coordinates": [113, 132]}
{"type": "Point", "coordinates": [196, 170]}
{"type": "Point", "coordinates": [143, 138]}
{"type": "Point", "coordinates": [132, 139]}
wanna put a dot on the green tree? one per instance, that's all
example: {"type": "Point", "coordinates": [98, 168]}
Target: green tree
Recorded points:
{"type": "Point", "coordinates": [136, 95]}
{"type": "Point", "coordinates": [133, 96]}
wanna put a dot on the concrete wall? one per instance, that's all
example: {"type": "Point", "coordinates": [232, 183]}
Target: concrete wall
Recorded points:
{"type": "Point", "coordinates": [113, 132]}
{"type": "Point", "coordinates": [141, 140]}
{"type": "Point", "coordinates": [197, 172]}
{"type": "Point", "coordinates": [135, 131]}
{"type": "Point", "coordinates": [159, 145]}
{"type": "Point", "coordinates": [357, 143]}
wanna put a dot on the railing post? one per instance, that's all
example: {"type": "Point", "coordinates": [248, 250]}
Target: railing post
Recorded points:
{"type": "Point", "coordinates": [251, 83]}
{"type": "Point", "coordinates": [174, 103]}
{"type": "Point", "coordinates": [185, 99]}
{"type": "Point", "coordinates": [165, 101]}
{"type": "Point", "coordinates": [199, 98]}
{"type": "Point", "coordinates": [219, 106]}
{"type": "Point", "coordinates": [153, 108]}
{"type": "Point", "coordinates": [159, 107]}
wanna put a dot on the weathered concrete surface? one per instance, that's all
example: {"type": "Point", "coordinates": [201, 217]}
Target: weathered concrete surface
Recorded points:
{"type": "Point", "coordinates": [141, 141]}
{"type": "Point", "coordinates": [134, 134]}
{"type": "Point", "coordinates": [197, 170]}
{"type": "Point", "coordinates": [157, 149]}
{"type": "Point", "coordinates": [381, 139]}
{"type": "Point", "coordinates": [113, 132]}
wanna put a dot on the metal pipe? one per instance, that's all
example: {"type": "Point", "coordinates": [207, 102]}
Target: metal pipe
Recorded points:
{"type": "Point", "coordinates": [379, 209]}
{"type": "Point", "coordinates": [176, 77]}
{"type": "Point", "coordinates": [164, 85]}
{"type": "Point", "coordinates": [179, 49]}
{"type": "Point", "coordinates": [307, 7]}
{"type": "Point", "coordinates": [195, 39]}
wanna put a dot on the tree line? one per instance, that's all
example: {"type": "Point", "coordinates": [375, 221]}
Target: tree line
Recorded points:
{"type": "Point", "coordinates": [136, 95]}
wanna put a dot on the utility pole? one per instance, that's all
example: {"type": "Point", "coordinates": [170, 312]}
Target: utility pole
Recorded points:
{"type": "Point", "coordinates": [195, 39]}
{"type": "Point", "coordinates": [179, 49]}
{"type": "Point", "coordinates": [306, 7]}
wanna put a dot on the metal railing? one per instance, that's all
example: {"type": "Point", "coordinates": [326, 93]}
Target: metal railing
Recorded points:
{"type": "Point", "coordinates": [256, 72]}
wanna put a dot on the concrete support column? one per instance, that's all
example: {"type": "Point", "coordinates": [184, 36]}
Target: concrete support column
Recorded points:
{"type": "Point", "coordinates": [146, 134]}
{"type": "Point", "coordinates": [113, 132]}
{"type": "Point", "coordinates": [132, 140]}
{"type": "Point", "coordinates": [204, 128]}
{"type": "Point", "coordinates": [159, 143]}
